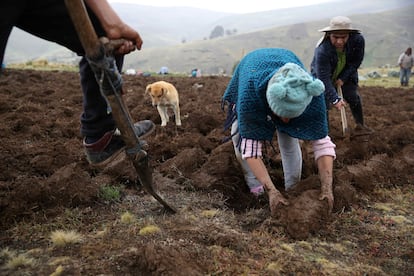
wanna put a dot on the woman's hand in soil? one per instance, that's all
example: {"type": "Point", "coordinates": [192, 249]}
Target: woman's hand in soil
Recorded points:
{"type": "Point", "coordinates": [275, 200]}
{"type": "Point", "coordinates": [326, 193]}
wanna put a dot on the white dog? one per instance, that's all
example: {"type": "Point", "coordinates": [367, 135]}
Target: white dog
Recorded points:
{"type": "Point", "coordinates": [163, 95]}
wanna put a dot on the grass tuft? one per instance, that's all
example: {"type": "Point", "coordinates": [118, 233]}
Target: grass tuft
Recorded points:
{"type": "Point", "coordinates": [127, 218]}
{"type": "Point", "coordinates": [62, 238]}
{"type": "Point", "coordinates": [209, 213]}
{"type": "Point", "coordinates": [149, 230]}
{"type": "Point", "coordinates": [58, 271]}
{"type": "Point", "coordinates": [110, 193]}
{"type": "Point", "coordinates": [19, 261]}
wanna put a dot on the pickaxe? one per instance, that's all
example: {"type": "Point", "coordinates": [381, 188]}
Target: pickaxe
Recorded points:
{"type": "Point", "coordinates": [98, 53]}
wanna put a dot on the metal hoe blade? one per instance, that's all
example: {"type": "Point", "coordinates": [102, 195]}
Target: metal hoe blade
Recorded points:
{"type": "Point", "coordinates": [110, 82]}
{"type": "Point", "coordinates": [343, 114]}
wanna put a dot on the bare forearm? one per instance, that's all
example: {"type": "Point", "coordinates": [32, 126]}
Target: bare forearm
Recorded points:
{"type": "Point", "coordinates": [259, 170]}
{"type": "Point", "coordinates": [106, 15]}
{"type": "Point", "coordinates": [275, 197]}
{"type": "Point", "coordinates": [114, 27]}
{"type": "Point", "coordinates": [325, 167]}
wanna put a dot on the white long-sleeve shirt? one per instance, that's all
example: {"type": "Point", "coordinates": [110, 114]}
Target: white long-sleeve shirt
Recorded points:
{"type": "Point", "coordinates": [406, 61]}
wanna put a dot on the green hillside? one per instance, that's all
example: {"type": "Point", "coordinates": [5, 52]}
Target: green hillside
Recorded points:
{"type": "Point", "coordinates": [387, 34]}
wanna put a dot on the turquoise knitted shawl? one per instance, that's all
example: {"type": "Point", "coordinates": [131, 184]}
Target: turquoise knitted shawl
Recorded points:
{"type": "Point", "coordinates": [246, 92]}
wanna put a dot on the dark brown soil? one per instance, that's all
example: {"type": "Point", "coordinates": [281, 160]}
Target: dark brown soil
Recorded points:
{"type": "Point", "coordinates": [220, 229]}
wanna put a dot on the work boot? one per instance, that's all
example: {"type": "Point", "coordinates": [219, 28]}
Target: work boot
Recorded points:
{"type": "Point", "coordinates": [361, 130]}
{"type": "Point", "coordinates": [107, 148]}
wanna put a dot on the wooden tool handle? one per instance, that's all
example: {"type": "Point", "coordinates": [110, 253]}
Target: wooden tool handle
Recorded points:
{"type": "Point", "coordinates": [84, 28]}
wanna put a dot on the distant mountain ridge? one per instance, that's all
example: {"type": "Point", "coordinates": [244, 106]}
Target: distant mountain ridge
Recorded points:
{"type": "Point", "coordinates": [387, 34]}
{"type": "Point", "coordinates": [179, 35]}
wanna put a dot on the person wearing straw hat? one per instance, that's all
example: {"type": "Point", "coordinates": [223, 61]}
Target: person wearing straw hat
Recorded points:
{"type": "Point", "coordinates": [271, 92]}
{"type": "Point", "coordinates": [338, 55]}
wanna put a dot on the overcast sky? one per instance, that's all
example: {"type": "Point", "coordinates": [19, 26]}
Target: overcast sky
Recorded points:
{"type": "Point", "coordinates": [235, 6]}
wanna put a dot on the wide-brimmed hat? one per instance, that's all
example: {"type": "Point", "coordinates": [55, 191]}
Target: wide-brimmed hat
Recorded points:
{"type": "Point", "coordinates": [339, 23]}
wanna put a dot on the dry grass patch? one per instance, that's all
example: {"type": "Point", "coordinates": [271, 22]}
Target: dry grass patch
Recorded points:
{"type": "Point", "coordinates": [62, 238]}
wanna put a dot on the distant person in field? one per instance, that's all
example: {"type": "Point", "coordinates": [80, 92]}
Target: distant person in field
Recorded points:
{"type": "Point", "coordinates": [338, 55]}
{"type": "Point", "coordinates": [406, 62]}
{"type": "Point", "coordinates": [270, 92]}
{"type": "Point", "coordinates": [50, 20]}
